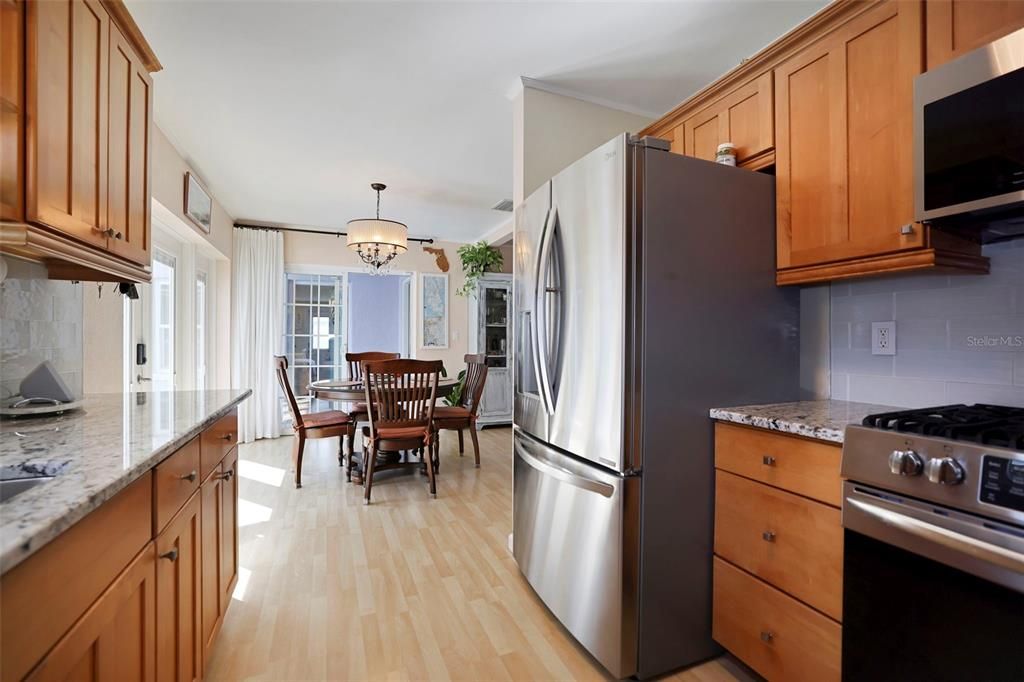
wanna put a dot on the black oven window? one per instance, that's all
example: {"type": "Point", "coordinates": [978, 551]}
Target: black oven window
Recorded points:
{"type": "Point", "coordinates": [974, 143]}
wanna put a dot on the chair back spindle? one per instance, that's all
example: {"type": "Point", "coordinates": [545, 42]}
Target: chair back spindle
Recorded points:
{"type": "Point", "coordinates": [355, 361]}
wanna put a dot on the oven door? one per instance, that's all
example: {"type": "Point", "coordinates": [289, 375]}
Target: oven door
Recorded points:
{"type": "Point", "coordinates": [929, 593]}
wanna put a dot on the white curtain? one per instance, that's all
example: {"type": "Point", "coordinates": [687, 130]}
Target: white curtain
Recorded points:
{"type": "Point", "coordinates": [258, 291]}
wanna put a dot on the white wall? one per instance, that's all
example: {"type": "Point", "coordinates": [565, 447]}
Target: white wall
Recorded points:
{"type": "Point", "coordinates": [551, 131]}
{"type": "Point", "coordinates": [103, 317]}
{"type": "Point", "coordinates": [958, 338]}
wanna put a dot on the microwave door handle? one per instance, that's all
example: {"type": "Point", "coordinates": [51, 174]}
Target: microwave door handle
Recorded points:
{"type": "Point", "coordinates": [557, 472]}
{"type": "Point", "coordinates": [540, 310]}
{"type": "Point", "coordinates": [957, 542]}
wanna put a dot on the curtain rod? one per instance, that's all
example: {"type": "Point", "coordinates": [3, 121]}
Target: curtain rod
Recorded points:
{"type": "Point", "coordinates": [299, 229]}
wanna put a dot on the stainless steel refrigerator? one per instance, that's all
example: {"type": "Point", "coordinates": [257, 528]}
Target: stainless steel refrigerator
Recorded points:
{"type": "Point", "coordinates": [644, 294]}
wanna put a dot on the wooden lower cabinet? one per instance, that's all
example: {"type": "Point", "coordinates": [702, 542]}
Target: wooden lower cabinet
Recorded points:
{"type": "Point", "coordinates": [793, 543]}
{"type": "Point", "coordinates": [801, 465]}
{"type": "Point", "coordinates": [229, 527]}
{"type": "Point", "coordinates": [179, 597]}
{"type": "Point", "coordinates": [116, 638]}
{"type": "Point", "coordinates": [211, 495]}
{"type": "Point", "coordinates": [776, 635]}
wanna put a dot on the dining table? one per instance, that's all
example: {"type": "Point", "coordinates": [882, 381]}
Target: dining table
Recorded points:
{"type": "Point", "coordinates": [353, 390]}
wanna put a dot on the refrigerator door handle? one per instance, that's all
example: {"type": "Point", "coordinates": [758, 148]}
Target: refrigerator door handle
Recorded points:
{"type": "Point", "coordinates": [554, 471]}
{"type": "Point", "coordinates": [540, 326]}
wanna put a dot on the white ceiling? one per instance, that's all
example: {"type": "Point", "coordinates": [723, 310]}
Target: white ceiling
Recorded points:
{"type": "Point", "coordinates": [290, 109]}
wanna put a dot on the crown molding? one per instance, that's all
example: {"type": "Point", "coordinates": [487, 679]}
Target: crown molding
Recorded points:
{"type": "Point", "coordinates": [536, 84]}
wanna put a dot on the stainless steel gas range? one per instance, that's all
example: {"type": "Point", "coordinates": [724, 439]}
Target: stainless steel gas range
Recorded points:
{"type": "Point", "coordinates": [933, 511]}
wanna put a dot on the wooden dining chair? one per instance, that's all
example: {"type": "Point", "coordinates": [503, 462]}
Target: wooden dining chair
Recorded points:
{"type": "Point", "coordinates": [314, 425]}
{"type": "Point", "coordinates": [463, 416]}
{"type": "Point", "coordinates": [355, 373]}
{"type": "Point", "coordinates": [400, 398]}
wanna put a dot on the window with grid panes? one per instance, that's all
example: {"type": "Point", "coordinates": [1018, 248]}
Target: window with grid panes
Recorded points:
{"type": "Point", "coordinates": [313, 337]}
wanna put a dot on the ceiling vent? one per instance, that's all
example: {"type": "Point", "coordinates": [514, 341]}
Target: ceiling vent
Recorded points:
{"type": "Point", "coordinates": [503, 205]}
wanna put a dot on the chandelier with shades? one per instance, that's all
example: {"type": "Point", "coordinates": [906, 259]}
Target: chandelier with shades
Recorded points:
{"type": "Point", "coordinates": [377, 240]}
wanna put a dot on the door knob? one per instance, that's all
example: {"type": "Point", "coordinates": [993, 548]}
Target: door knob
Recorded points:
{"type": "Point", "coordinates": [139, 379]}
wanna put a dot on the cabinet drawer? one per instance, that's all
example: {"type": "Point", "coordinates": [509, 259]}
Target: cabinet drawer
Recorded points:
{"type": "Point", "coordinates": [217, 441]}
{"type": "Point", "coordinates": [771, 632]}
{"type": "Point", "coordinates": [177, 477]}
{"type": "Point", "coordinates": [799, 465]}
{"type": "Point", "coordinates": [793, 543]}
{"type": "Point", "coordinates": [44, 595]}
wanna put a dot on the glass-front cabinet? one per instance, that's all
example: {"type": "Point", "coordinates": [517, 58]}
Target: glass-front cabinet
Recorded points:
{"type": "Point", "coordinates": [493, 339]}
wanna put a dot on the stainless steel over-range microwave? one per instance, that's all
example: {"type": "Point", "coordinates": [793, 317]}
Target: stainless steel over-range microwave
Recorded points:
{"type": "Point", "coordinates": [969, 134]}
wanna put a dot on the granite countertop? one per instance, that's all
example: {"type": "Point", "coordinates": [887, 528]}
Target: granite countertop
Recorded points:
{"type": "Point", "coordinates": [94, 453]}
{"type": "Point", "coordinates": [821, 419]}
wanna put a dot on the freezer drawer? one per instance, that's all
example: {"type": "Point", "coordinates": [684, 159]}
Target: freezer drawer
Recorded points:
{"type": "Point", "coordinates": [576, 540]}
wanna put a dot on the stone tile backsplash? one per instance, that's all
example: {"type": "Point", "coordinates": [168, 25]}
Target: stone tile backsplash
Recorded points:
{"type": "Point", "coordinates": [959, 339]}
{"type": "Point", "coordinates": [40, 319]}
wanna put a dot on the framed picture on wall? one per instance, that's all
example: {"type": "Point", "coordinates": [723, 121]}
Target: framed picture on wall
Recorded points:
{"type": "Point", "coordinates": [198, 203]}
{"type": "Point", "coordinates": [433, 310]}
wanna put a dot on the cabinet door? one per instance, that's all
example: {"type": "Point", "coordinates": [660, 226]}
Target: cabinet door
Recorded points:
{"type": "Point", "coordinates": [128, 152]}
{"type": "Point", "coordinates": [743, 117]}
{"type": "Point", "coordinates": [211, 502]}
{"type": "Point", "coordinates": [66, 134]}
{"type": "Point", "coordinates": [178, 597]}
{"type": "Point", "coordinates": [955, 27]}
{"type": "Point", "coordinates": [116, 638]}
{"type": "Point", "coordinates": [497, 397]}
{"type": "Point", "coordinates": [12, 42]}
{"type": "Point", "coordinates": [229, 528]}
{"type": "Point", "coordinates": [843, 141]}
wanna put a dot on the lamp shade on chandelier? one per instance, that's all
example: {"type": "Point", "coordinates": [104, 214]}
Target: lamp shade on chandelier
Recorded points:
{"type": "Point", "coordinates": [377, 241]}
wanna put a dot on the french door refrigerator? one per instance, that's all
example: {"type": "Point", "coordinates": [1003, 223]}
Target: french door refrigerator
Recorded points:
{"type": "Point", "coordinates": [644, 295]}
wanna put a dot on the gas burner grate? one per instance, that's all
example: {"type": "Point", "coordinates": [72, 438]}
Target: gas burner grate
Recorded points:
{"type": "Point", "coordinates": [983, 424]}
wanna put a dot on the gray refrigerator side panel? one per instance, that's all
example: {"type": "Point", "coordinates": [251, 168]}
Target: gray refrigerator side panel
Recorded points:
{"type": "Point", "coordinates": [714, 329]}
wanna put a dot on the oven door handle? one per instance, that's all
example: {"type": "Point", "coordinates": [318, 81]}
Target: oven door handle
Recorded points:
{"type": "Point", "coordinates": [979, 549]}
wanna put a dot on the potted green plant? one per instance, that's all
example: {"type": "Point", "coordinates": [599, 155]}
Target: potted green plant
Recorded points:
{"type": "Point", "coordinates": [477, 259]}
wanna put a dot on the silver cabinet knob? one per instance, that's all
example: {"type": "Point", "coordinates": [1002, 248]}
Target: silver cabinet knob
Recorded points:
{"type": "Point", "coordinates": [945, 470]}
{"type": "Point", "coordinates": [767, 636]}
{"type": "Point", "coordinates": [768, 536]}
{"type": "Point", "coordinates": [907, 229]}
{"type": "Point", "coordinates": [768, 460]}
{"type": "Point", "coordinates": [171, 556]}
{"type": "Point", "coordinates": [905, 463]}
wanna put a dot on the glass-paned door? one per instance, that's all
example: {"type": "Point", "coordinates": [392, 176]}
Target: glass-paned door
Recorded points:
{"type": "Point", "coordinates": [199, 353]}
{"type": "Point", "coordinates": [314, 341]}
{"type": "Point", "coordinates": [162, 321]}
{"type": "Point", "coordinates": [495, 306]}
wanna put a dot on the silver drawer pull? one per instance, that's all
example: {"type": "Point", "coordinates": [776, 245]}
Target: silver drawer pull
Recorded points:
{"type": "Point", "coordinates": [768, 536]}
{"type": "Point", "coordinates": [768, 460]}
{"type": "Point", "coordinates": [190, 476]}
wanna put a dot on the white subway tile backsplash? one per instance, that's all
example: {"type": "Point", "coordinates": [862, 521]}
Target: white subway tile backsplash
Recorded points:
{"type": "Point", "coordinates": [958, 338]}
{"type": "Point", "coordinates": [955, 365]}
{"type": "Point", "coordinates": [978, 299]}
{"type": "Point", "coordinates": [899, 392]}
{"type": "Point", "coordinates": [40, 319]}
{"type": "Point", "coordinates": [850, 361]}
{"type": "Point", "coordinates": [867, 308]}
{"type": "Point", "coordinates": [982, 393]}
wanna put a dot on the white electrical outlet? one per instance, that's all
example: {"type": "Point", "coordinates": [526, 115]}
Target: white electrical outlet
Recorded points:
{"type": "Point", "coordinates": [883, 338]}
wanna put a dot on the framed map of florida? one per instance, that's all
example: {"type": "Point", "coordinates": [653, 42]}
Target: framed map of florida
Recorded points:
{"type": "Point", "coordinates": [433, 310]}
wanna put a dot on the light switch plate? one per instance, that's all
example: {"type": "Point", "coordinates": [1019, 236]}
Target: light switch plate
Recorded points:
{"type": "Point", "coordinates": [883, 338]}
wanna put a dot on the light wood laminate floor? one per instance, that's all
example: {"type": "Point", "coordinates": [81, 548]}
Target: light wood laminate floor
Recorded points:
{"type": "Point", "coordinates": [406, 588]}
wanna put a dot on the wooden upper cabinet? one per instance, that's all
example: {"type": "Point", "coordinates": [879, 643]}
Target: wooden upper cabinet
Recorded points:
{"type": "Point", "coordinates": [843, 140]}
{"type": "Point", "coordinates": [12, 43]}
{"type": "Point", "coordinates": [743, 117]}
{"type": "Point", "coordinates": [955, 27]}
{"type": "Point", "coordinates": [128, 178]}
{"type": "Point", "coordinates": [116, 638]}
{"type": "Point", "coordinates": [66, 122]}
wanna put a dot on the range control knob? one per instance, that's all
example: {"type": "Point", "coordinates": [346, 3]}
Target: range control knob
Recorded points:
{"type": "Point", "coordinates": [945, 470]}
{"type": "Point", "coordinates": [905, 463]}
